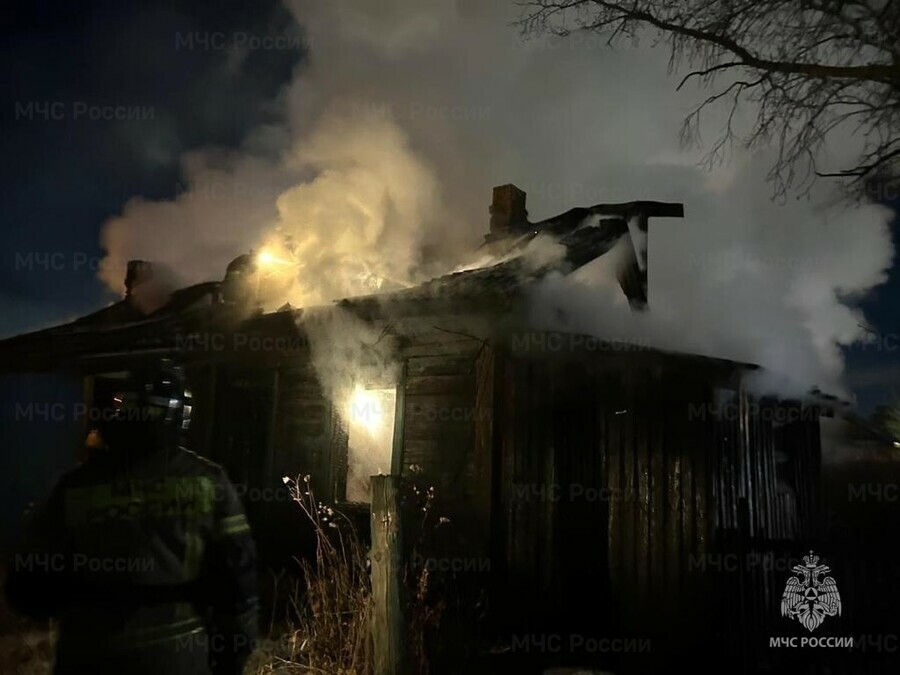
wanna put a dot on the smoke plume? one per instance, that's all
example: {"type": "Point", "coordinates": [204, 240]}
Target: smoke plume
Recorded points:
{"type": "Point", "coordinates": [408, 112]}
{"type": "Point", "coordinates": [349, 356]}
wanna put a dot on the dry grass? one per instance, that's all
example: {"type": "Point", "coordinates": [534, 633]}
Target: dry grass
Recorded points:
{"type": "Point", "coordinates": [26, 647]}
{"type": "Point", "coordinates": [424, 610]}
{"type": "Point", "coordinates": [28, 652]}
{"type": "Point", "coordinates": [329, 630]}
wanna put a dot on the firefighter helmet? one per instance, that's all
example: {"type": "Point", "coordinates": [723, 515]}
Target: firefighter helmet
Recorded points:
{"type": "Point", "coordinates": [151, 404]}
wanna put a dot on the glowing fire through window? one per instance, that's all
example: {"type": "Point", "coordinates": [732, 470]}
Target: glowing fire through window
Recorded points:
{"type": "Point", "coordinates": [370, 435]}
{"type": "Point", "coordinates": [367, 408]}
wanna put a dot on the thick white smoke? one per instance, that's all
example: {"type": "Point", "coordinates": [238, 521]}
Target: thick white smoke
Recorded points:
{"type": "Point", "coordinates": [359, 224]}
{"type": "Point", "coordinates": [350, 356]}
{"type": "Point", "coordinates": [409, 111]}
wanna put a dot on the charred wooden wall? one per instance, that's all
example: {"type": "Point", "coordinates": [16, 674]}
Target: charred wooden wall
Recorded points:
{"type": "Point", "coordinates": [275, 420]}
{"type": "Point", "coordinates": [766, 466]}
{"type": "Point", "coordinates": [614, 477]}
{"type": "Point", "coordinates": [595, 492]}
{"type": "Point", "coordinates": [603, 492]}
{"type": "Point", "coordinates": [303, 429]}
{"type": "Point", "coordinates": [269, 420]}
{"type": "Point", "coordinates": [444, 445]}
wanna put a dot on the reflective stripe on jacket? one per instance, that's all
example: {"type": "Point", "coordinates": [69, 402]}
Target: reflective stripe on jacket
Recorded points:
{"type": "Point", "coordinates": [146, 555]}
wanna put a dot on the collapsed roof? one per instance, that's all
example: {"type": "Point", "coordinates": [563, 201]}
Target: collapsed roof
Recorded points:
{"type": "Point", "coordinates": [585, 233]}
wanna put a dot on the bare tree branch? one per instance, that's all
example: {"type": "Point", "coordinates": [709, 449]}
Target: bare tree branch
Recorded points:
{"type": "Point", "coordinates": [809, 68]}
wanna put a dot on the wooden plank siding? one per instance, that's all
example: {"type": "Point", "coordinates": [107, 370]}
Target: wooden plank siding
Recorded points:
{"type": "Point", "coordinates": [304, 430]}
{"type": "Point", "coordinates": [615, 476]}
{"type": "Point", "coordinates": [600, 495]}
{"type": "Point", "coordinates": [603, 489]}
{"type": "Point", "coordinates": [444, 415]}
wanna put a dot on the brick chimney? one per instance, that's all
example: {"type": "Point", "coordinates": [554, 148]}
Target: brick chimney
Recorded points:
{"type": "Point", "coordinates": [137, 272]}
{"type": "Point", "coordinates": [508, 214]}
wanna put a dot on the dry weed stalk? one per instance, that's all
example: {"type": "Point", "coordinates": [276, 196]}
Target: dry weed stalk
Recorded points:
{"type": "Point", "coordinates": [332, 604]}
{"type": "Point", "coordinates": [332, 634]}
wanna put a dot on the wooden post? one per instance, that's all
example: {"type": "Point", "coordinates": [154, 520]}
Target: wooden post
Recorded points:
{"type": "Point", "coordinates": [388, 627]}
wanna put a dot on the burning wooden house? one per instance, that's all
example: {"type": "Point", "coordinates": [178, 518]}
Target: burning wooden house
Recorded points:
{"type": "Point", "coordinates": [593, 488]}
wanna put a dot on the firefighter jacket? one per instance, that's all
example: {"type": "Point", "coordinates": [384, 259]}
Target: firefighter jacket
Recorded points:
{"type": "Point", "coordinates": [148, 564]}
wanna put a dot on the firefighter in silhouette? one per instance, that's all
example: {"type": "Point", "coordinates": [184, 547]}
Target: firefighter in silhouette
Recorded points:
{"type": "Point", "coordinates": [142, 553]}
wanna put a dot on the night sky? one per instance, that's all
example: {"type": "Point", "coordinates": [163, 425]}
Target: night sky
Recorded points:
{"type": "Point", "coordinates": [62, 178]}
